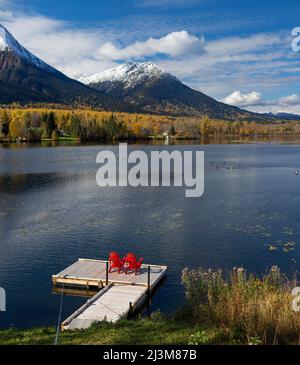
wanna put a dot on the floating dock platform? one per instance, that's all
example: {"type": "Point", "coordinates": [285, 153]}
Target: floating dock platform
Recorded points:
{"type": "Point", "coordinates": [120, 294]}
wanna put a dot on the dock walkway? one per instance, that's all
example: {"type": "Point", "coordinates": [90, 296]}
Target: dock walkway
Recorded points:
{"type": "Point", "coordinates": [120, 293]}
{"type": "Point", "coordinates": [111, 305]}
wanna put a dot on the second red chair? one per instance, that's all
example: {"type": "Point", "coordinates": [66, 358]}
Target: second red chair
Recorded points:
{"type": "Point", "coordinates": [132, 264]}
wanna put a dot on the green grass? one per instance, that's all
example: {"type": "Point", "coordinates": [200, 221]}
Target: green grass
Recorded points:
{"type": "Point", "coordinates": [68, 138]}
{"type": "Point", "coordinates": [126, 332]}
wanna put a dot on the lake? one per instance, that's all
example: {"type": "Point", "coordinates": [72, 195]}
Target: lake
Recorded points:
{"type": "Point", "coordinates": [52, 212]}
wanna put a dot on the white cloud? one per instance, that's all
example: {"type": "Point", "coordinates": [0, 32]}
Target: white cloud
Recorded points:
{"type": "Point", "coordinates": [254, 101]}
{"type": "Point", "coordinates": [239, 99]}
{"type": "Point", "coordinates": [293, 99]}
{"type": "Point", "coordinates": [230, 60]}
{"type": "Point", "coordinates": [173, 44]}
{"type": "Point", "coordinates": [85, 50]}
{"type": "Point", "coordinates": [239, 45]}
{"type": "Point", "coordinates": [58, 43]}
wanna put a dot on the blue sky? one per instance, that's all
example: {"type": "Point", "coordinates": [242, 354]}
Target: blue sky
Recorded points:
{"type": "Point", "coordinates": [236, 51]}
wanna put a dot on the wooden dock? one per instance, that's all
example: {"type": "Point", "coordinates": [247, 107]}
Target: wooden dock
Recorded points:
{"type": "Point", "coordinates": [119, 295]}
{"type": "Point", "coordinates": [86, 272]}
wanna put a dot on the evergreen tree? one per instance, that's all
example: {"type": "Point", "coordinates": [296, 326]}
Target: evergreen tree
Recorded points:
{"type": "Point", "coordinates": [172, 131]}
{"type": "Point", "coordinates": [51, 122]}
{"type": "Point", "coordinates": [110, 127]}
{"type": "Point", "coordinates": [48, 124]}
{"type": "Point", "coordinates": [4, 123]}
{"type": "Point", "coordinates": [75, 126]}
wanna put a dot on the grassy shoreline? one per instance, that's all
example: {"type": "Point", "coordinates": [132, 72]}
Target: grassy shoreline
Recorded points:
{"type": "Point", "coordinates": [146, 331]}
{"type": "Point", "coordinates": [238, 309]}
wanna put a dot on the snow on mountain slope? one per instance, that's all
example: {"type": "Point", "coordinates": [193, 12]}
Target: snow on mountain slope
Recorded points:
{"type": "Point", "coordinates": [151, 89]}
{"type": "Point", "coordinates": [24, 78]}
{"type": "Point", "coordinates": [128, 74]}
{"type": "Point", "coordinates": [9, 44]}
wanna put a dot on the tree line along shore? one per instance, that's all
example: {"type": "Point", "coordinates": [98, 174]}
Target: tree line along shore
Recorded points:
{"type": "Point", "coordinates": [36, 124]}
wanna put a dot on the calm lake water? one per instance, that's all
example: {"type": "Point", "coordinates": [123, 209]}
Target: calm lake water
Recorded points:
{"type": "Point", "coordinates": [52, 212]}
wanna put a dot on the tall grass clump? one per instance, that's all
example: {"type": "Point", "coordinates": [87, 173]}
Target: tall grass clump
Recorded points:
{"type": "Point", "coordinates": [245, 307]}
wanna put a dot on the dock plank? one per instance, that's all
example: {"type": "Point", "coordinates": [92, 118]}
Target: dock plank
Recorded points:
{"type": "Point", "coordinates": [112, 305]}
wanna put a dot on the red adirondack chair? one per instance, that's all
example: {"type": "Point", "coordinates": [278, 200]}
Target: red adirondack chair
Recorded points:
{"type": "Point", "coordinates": [115, 262]}
{"type": "Point", "coordinates": [113, 255]}
{"type": "Point", "coordinates": [130, 255]}
{"type": "Point", "coordinates": [132, 264]}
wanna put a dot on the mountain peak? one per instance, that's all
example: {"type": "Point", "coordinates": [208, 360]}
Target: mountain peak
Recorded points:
{"type": "Point", "coordinates": [128, 74]}
{"type": "Point", "coordinates": [7, 41]}
{"type": "Point", "coordinates": [9, 44]}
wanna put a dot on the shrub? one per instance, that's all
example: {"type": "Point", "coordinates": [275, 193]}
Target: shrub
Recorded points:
{"type": "Point", "coordinates": [249, 309]}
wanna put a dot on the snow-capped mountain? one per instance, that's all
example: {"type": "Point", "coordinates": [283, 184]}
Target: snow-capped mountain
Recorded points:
{"type": "Point", "coordinates": [152, 89]}
{"type": "Point", "coordinates": [128, 74]}
{"type": "Point", "coordinates": [25, 78]}
{"type": "Point", "coordinates": [9, 44]}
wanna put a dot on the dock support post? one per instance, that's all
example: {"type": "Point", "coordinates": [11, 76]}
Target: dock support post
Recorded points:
{"type": "Point", "coordinates": [106, 272]}
{"type": "Point", "coordinates": [149, 281]}
{"type": "Point", "coordinates": [130, 310]}
{"type": "Point", "coordinates": [149, 291]}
